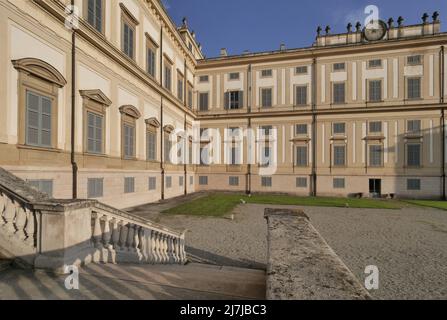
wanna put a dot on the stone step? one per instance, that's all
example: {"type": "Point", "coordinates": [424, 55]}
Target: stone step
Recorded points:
{"type": "Point", "coordinates": [220, 281]}
{"type": "Point", "coordinates": [4, 264]}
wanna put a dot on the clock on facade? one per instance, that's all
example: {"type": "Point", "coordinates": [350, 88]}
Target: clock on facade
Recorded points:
{"type": "Point", "coordinates": [375, 31]}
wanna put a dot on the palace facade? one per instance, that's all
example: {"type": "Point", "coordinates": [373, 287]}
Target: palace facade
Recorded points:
{"type": "Point", "coordinates": [93, 111]}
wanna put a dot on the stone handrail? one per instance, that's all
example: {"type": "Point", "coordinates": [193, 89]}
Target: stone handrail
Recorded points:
{"type": "Point", "coordinates": [51, 234]}
{"type": "Point", "coordinates": [301, 265]}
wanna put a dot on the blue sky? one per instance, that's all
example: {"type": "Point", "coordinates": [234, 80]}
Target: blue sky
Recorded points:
{"type": "Point", "coordinates": [262, 25]}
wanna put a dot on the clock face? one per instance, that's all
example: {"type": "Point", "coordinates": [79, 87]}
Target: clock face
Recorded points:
{"type": "Point", "coordinates": [375, 31]}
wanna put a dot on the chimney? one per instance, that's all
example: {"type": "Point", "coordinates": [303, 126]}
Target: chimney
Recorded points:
{"type": "Point", "coordinates": [223, 52]}
{"type": "Point", "coordinates": [282, 47]}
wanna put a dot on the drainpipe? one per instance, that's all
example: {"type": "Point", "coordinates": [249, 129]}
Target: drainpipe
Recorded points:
{"type": "Point", "coordinates": [74, 165]}
{"type": "Point", "coordinates": [248, 177]}
{"type": "Point", "coordinates": [313, 192]}
{"type": "Point", "coordinates": [185, 98]}
{"type": "Point", "coordinates": [441, 100]}
{"type": "Point", "coordinates": [162, 168]}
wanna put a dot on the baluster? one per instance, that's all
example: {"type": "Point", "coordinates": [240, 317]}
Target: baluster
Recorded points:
{"type": "Point", "coordinates": [129, 242]}
{"type": "Point", "coordinates": [115, 239]}
{"type": "Point", "coordinates": [97, 234]}
{"type": "Point", "coordinates": [136, 240]}
{"type": "Point", "coordinates": [20, 222]}
{"type": "Point", "coordinates": [165, 249]}
{"type": "Point", "coordinates": [106, 237]}
{"type": "Point", "coordinates": [176, 250]}
{"type": "Point", "coordinates": [30, 228]}
{"type": "Point", "coordinates": [150, 245]}
{"type": "Point", "coordinates": [123, 235]}
{"type": "Point", "coordinates": [157, 251]}
{"type": "Point", "coordinates": [142, 247]}
{"type": "Point", "coordinates": [182, 248]}
{"type": "Point", "coordinates": [9, 215]}
{"type": "Point", "coordinates": [171, 250]}
{"type": "Point", "coordinates": [2, 208]}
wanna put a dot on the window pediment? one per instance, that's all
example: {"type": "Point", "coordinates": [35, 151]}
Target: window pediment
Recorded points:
{"type": "Point", "coordinates": [40, 69]}
{"type": "Point", "coordinates": [97, 96]}
{"type": "Point", "coordinates": [168, 128]}
{"type": "Point", "coordinates": [153, 122]}
{"type": "Point", "coordinates": [131, 111]}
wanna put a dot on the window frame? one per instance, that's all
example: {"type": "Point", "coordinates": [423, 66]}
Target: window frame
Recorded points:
{"type": "Point", "coordinates": [268, 75]}
{"type": "Point", "coordinates": [370, 164]}
{"type": "Point", "coordinates": [302, 165]}
{"type": "Point", "coordinates": [180, 86]}
{"type": "Point", "coordinates": [334, 69]}
{"type": "Point", "coordinates": [344, 164]}
{"type": "Point", "coordinates": [407, 86]}
{"type": "Point", "coordinates": [199, 102]}
{"type": "Point", "coordinates": [370, 82]}
{"type": "Point", "coordinates": [151, 45]}
{"type": "Point", "coordinates": [231, 74]}
{"type": "Point", "coordinates": [297, 70]}
{"type": "Point", "coordinates": [128, 19]}
{"type": "Point", "coordinates": [128, 190]}
{"type": "Point", "coordinates": [103, 13]}
{"type": "Point", "coordinates": [295, 89]}
{"type": "Point", "coordinates": [129, 117]}
{"type": "Point", "coordinates": [95, 195]}
{"type": "Point", "coordinates": [407, 145]}
{"type": "Point", "coordinates": [261, 94]}
{"type": "Point", "coordinates": [334, 84]}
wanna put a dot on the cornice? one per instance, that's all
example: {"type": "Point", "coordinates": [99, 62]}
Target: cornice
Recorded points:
{"type": "Point", "coordinates": [56, 9]}
{"type": "Point", "coordinates": [321, 52]}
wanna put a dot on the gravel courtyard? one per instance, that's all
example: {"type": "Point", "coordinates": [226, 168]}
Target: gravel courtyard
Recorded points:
{"type": "Point", "coordinates": [409, 246]}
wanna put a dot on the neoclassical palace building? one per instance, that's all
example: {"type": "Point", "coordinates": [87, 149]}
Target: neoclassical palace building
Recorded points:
{"type": "Point", "coordinates": [93, 107]}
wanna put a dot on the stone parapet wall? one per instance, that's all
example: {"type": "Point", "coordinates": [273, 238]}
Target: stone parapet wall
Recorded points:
{"type": "Point", "coordinates": [301, 265]}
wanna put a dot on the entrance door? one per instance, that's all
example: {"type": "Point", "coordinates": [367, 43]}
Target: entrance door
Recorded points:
{"type": "Point", "coordinates": [375, 187]}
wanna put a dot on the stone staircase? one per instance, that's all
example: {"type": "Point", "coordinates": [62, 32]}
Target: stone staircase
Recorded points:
{"type": "Point", "coordinates": [138, 282]}
{"type": "Point", "coordinates": [52, 234]}
{"type": "Point", "coordinates": [4, 263]}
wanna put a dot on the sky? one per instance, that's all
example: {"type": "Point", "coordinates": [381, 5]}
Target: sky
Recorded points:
{"type": "Point", "coordinates": [262, 25]}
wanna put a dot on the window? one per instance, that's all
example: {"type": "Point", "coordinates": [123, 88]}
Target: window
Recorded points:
{"type": "Point", "coordinates": [375, 90]}
{"type": "Point", "coordinates": [44, 186]}
{"type": "Point", "coordinates": [151, 60]}
{"type": "Point", "coordinates": [167, 146]}
{"type": "Point", "coordinates": [203, 101]}
{"type": "Point", "coordinates": [151, 148]}
{"type": "Point", "coordinates": [95, 188]}
{"type": "Point", "coordinates": [233, 181]}
{"type": "Point", "coordinates": [375, 156]}
{"type": "Point", "coordinates": [203, 78]}
{"type": "Point", "coordinates": [95, 9]}
{"type": "Point", "coordinates": [339, 156]}
{"type": "Point", "coordinates": [129, 185]}
{"type": "Point", "coordinates": [203, 180]}
{"type": "Point", "coordinates": [129, 115]}
{"type": "Point", "coordinates": [414, 126]}
{"type": "Point", "coordinates": [414, 60]}
{"type": "Point", "coordinates": [234, 160]}
{"type": "Point", "coordinates": [128, 30]}
{"type": "Point", "coordinates": [234, 76]}
{"type": "Point", "coordinates": [413, 184]}
{"type": "Point", "coordinates": [266, 181]}
{"type": "Point", "coordinates": [266, 97]}
{"type": "Point", "coordinates": [300, 95]}
{"type": "Point", "coordinates": [301, 156]}
{"type": "Point", "coordinates": [152, 183]}
{"type": "Point", "coordinates": [339, 183]}
{"type": "Point", "coordinates": [339, 66]}
{"type": "Point", "coordinates": [375, 127]}
{"type": "Point", "coordinates": [190, 96]}
{"type": "Point", "coordinates": [301, 182]}
{"type": "Point", "coordinates": [180, 86]}
{"type": "Point", "coordinates": [414, 88]}
{"type": "Point", "coordinates": [129, 141]}
{"type": "Point", "coordinates": [265, 130]}
{"type": "Point", "coordinates": [168, 76]}
{"type": "Point", "coordinates": [265, 156]}
{"type": "Point", "coordinates": [301, 129]}
{"type": "Point", "coordinates": [414, 155]}
{"type": "Point", "coordinates": [168, 182]}
{"type": "Point", "coordinates": [339, 128]}
{"type": "Point", "coordinates": [38, 120]}
{"type": "Point", "coordinates": [180, 181]}
{"type": "Point", "coordinates": [376, 63]}
{"type": "Point", "coordinates": [266, 73]}
{"type": "Point", "coordinates": [234, 100]}
{"type": "Point", "coordinates": [95, 125]}
{"type": "Point", "coordinates": [339, 93]}
{"type": "Point", "coordinates": [301, 70]}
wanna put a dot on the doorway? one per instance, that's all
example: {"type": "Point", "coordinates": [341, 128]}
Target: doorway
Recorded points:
{"type": "Point", "coordinates": [375, 188]}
